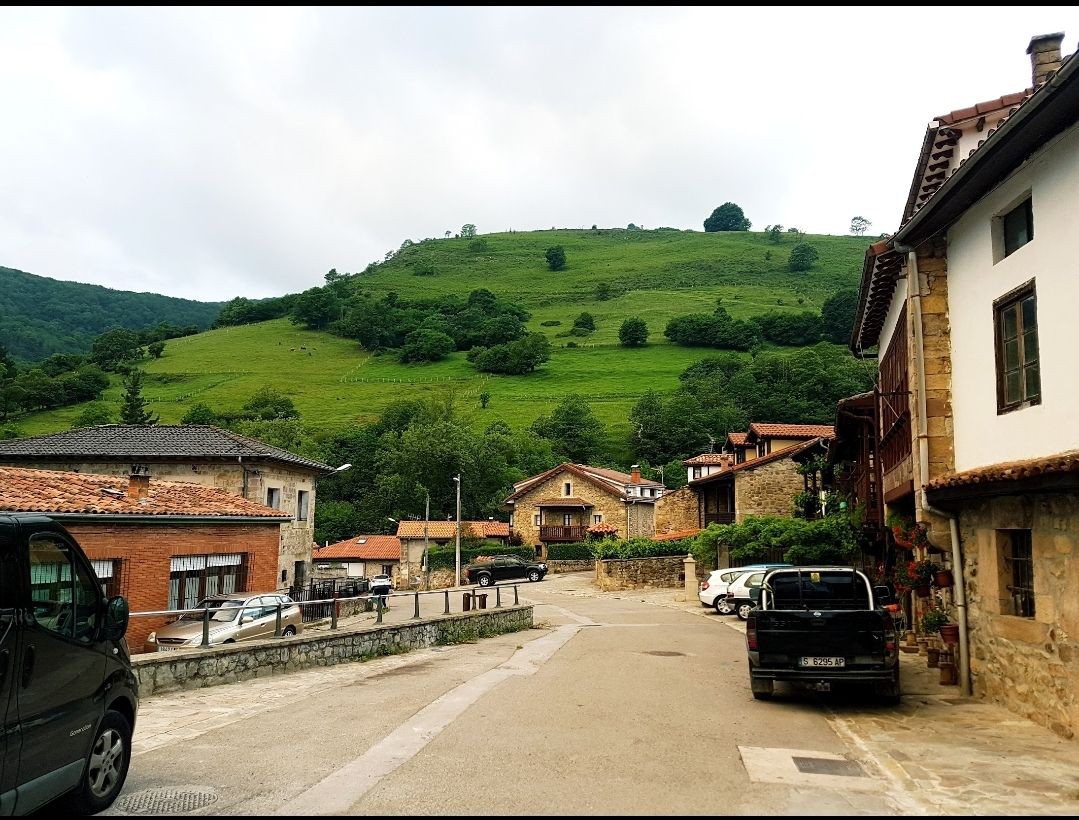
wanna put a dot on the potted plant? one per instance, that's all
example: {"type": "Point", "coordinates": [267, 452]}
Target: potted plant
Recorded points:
{"type": "Point", "coordinates": [900, 526]}
{"type": "Point", "coordinates": [949, 633]}
{"type": "Point", "coordinates": [916, 575]}
{"type": "Point", "coordinates": [943, 578]}
{"type": "Point", "coordinates": [933, 620]}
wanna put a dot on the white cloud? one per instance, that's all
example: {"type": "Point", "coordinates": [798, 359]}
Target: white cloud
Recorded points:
{"type": "Point", "coordinates": [207, 153]}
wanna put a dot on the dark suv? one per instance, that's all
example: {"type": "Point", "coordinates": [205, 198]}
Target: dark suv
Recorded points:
{"type": "Point", "coordinates": [68, 697]}
{"type": "Point", "coordinates": [501, 568]}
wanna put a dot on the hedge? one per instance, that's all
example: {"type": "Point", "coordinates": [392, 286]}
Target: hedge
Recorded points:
{"type": "Point", "coordinates": [445, 557]}
{"type": "Point", "coordinates": [639, 548]}
{"type": "Point", "coordinates": [569, 552]}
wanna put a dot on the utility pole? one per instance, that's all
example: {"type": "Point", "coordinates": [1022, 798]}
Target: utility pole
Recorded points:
{"type": "Point", "coordinates": [426, 539]}
{"type": "Point", "coordinates": [457, 581]}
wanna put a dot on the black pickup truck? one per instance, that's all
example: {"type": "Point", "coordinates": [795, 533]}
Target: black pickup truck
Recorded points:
{"type": "Point", "coordinates": [821, 626]}
{"type": "Point", "coordinates": [501, 568]}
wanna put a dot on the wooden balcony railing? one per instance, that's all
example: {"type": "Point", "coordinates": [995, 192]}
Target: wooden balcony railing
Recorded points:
{"type": "Point", "coordinates": [561, 532]}
{"type": "Point", "coordinates": [718, 518]}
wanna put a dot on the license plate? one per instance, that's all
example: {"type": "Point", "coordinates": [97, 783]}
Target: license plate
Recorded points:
{"type": "Point", "coordinates": [167, 648]}
{"type": "Point", "coordinates": [823, 662]}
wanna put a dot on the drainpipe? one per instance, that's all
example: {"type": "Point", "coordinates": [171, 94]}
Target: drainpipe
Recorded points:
{"type": "Point", "coordinates": [244, 469]}
{"type": "Point", "coordinates": [914, 293]}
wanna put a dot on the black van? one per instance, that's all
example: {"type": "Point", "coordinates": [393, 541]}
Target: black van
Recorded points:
{"type": "Point", "coordinates": [68, 697]}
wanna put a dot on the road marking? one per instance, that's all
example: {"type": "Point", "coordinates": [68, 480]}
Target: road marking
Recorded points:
{"type": "Point", "coordinates": [340, 790]}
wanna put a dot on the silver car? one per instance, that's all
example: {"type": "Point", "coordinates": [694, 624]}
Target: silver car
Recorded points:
{"type": "Point", "coordinates": [240, 616]}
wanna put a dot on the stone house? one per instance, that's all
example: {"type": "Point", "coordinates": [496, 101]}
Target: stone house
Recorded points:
{"type": "Point", "coordinates": [198, 454]}
{"type": "Point", "coordinates": [415, 536]}
{"type": "Point", "coordinates": [561, 504]}
{"type": "Point", "coordinates": [361, 556]}
{"type": "Point", "coordinates": [160, 544]}
{"type": "Point", "coordinates": [970, 306]}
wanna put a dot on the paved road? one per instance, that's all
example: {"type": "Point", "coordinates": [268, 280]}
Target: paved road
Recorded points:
{"type": "Point", "coordinates": [613, 705]}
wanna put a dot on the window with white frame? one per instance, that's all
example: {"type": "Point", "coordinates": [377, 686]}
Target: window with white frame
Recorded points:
{"type": "Point", "coordinates": [598, 518]}
{"type": "Point", "coordinates": [535, 519]}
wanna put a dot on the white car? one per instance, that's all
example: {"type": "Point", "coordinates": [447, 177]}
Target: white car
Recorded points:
{"type": "Point", "coordinates": [713, 591]}
{"type": "Point", "coordinates": [738, 597]}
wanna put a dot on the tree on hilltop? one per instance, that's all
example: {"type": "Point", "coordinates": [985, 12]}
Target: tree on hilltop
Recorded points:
{"type": "Point", "coordinates": [727, 217]}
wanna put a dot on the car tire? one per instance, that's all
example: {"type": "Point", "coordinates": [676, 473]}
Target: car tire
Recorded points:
{"type": "Point", "coordinates": [534, 575]}
{"type": "Point", "coordinates": [722, 606]}
{"type": "Point", "coordinates": [762, 689]}
{"type": "Point", "coordinates": [485, 580]}
{"type": "Point", "coordinates": [744, 610]}
{"type": "Point", "coordinates": [106, 766]}
{"type": "Point", "coordinates": [288, 631]}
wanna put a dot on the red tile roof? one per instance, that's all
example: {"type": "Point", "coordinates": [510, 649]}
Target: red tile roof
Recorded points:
{"type": "Point", "coordinates": [448, 529]}
{"type": "Point", "coordinates": [61, 492]}
{"type": "Point", "coordinates": [363, 548]}
{"type": "Point", "coordinates": [737, 439]}
{"type": "Point", "coordinates": [562, 501]}
{"type": "Point", "coordinates": [610, 481]}
{"type": "Point", "coordinates": [1010, 471]}
{"type": "Point", "coordinates": [709, 458]}
{"type": "Point", "coordinates": [602, 528]}
{"type": "Point", "coordinates": [768, 430]}
{"type": "Point", "coordinates": [754, 463]}
{"type": "Point", "coordinates": [987, 107]}
{"type": "Point", "coordinates": [677, 535]}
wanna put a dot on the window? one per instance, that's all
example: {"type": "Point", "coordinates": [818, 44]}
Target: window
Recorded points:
{"type": "Point", "coordinates": [597, 519]}
{"type": "Point", "coordinates": [1019, 570]}
{"type": "Point", "coordinates": [273, 498]}
{"type": "Point", "coordinates": [696, 472]}
{"type": "Point", "coordinates": [194, 577]}
{"type": "Point", "coordinates": [65, 596]}
{"type": "Point", "coordinates": [1017, 227]}
{"type": "Point", "coordinates": [303, 500]}
{"type": "Point", "coordinates": [567, 489]}
{"type": "Point", "coordinates": [387, 569]}
{"type": "Point", "coordinates": [535, 519]}
{"type": "Point", "coordinates": [567, 519]}
{"type": "Point", "coordinates": [108, 573]}
{"type": "Point", "coordinates": [1016, 330]}
{"type": "Point", "coordinates": [763, 448]}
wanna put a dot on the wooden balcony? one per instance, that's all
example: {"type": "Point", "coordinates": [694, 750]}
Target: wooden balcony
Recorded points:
{"type": "Point", "coordinates": [718, 518]}
{"type": "Point", "coordinates": [561, 532]}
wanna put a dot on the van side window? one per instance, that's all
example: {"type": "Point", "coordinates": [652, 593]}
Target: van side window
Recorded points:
{"type": "Point", "coordinates": [64, 597]}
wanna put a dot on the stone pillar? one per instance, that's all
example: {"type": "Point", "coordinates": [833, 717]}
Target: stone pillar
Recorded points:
{"type": "Point", "coordinates": [691, 577]}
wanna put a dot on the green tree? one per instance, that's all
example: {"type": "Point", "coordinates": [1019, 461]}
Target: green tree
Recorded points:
{"type": "Point", "coordinates": [727, 217]}
{"type": "Point", "coordinates": [574, 432]}
{"type": "Point", "coordinates": [859, 225]}
{"type": "Point", "coordinates": [837, 315]}
{"type": "Point", "coordinates": [267, 404]}
{"type": "Point", "coordinates": [477, 246]}
{"type": "Point", "coordinates": [775, 233]}
{"type": "Point", "coordinates": [92, 415]}
{"type": "Point", "coordinates": [485, 399]}
{"type": "Point", "coordinates": [200, 413]}
{"type": "Point", "coordinates": [315, 308]}
{"type": "Point", "coordinates": [116, 347]}
{"type": "Point", "coordinates": [633, 333]}
{"type": "Point", "coordinates": [514, 358]}
{"type": "Point", "coordinates": [585, 322]}
{"type": "Point", "coordinates": [556, 257]}
{"type": "Point", "coordinates": [803, 257]}
{"type": "Point", "coordinates": [155, 349]}
{"type": "Point", "coordinates": [468, 231]}
{"type": "Point", "coordinates": [133, 409]}
{"type": "Point", "coordinates": [603, 292]}
{"type": "Point", "coordinates": [426, 346]}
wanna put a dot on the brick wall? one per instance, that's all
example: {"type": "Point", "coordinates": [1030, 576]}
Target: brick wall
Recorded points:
{"type": "Point", "coordinates": [767, 490]}
{"type": "Point", "coordinates": [295, 537]}
{"type": "Point", "coordinates": [145, 552]}
{"type": "Point", "coordinates": [678, 511]}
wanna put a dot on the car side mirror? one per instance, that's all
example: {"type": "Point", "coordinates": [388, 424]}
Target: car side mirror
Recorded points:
{"type": "Point", "coordinates": [755, 594]}
{"type": "Point", "coordinates": [117, 616]}
{"type": "Point", "coordinates": [882, 595]}
{"type": "Point", "coordinates": [246, 619]}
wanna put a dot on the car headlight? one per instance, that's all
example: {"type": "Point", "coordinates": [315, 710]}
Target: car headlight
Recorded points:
{"type": "Point", "coordinates": [151, 638]}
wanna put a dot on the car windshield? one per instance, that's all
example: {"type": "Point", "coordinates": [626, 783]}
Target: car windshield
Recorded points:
{"type": "Point", "coordinates": [231, 609]}
{"type": "Point", "coordinates": [818, 589]}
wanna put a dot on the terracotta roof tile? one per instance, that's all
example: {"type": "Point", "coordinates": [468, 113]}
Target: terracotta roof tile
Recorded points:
{"type": "Point", "coordinates": [737, 439]}
{"type": "Point", "coordinates": [363, 548]}
{"type": "Point", "coordinates": [709, 458]}
{"type": "Point", "coordinates": [60, 492]}
{"type": "Point", "coordinates": [603, 528]}
{"type": "Point", "coordinates": [1007, 101]}
{"type": "Point", "coordinates": [562, 501]}
{"type": "Point", "coordinates": [448, 529]}
{"type": "Point", "coordinates": [611, 481]}
{"type": "Point", "coordinates": [754, 463]}
{"type": "Point", "coordinates": [615, 475]}
{"type": "Point", "coordinates": [1010, 471]}
{"type": "Point", "coordinates": [768, 430]}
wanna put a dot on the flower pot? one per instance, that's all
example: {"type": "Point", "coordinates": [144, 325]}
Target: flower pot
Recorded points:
{"type": "Point", "coordinates": [933, 657]}
{"type": "Point", "coordinates": [943, 579]}
{"type": "Point", "coordinates": [922, 590]}
{"type": "Point", "coordinates": [949, 633]}
{"type": "Point", "coordinates": [949, 674]}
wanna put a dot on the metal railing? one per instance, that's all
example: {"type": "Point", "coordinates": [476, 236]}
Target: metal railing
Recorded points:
{"type": "Point", "coordinates": [473, 598]}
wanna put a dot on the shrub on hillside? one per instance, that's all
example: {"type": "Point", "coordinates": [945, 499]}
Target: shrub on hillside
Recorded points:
{"type": "Point", "coordinates": [556, 257]}
{"type": "Point", "coordinates": [633, 333]}
{"type": "Point", "coordinates": [803, 257]}
{"type": "Point", "coordinates": [426, 346]}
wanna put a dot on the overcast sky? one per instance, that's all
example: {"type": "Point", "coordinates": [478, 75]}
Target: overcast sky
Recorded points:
{"type": "Point", "coordinates": [210, 153]}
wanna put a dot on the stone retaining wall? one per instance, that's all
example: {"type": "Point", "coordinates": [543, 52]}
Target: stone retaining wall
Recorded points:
{"type": "Point", "coordinates": [195, 668]}
{"type": "Point", "coordinates": [570, 566]}
{"type": "Point", "coordinates": [640, 573]}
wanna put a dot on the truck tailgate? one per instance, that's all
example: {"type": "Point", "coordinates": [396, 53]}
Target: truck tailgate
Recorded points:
{"type": "Point", "coordinates": [791, 633]}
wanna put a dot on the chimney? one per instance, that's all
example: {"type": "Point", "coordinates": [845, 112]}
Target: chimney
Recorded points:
{"type": "Point", "coordinates": [138, 485]}
{"type": "Point", "coordinates": [635, 476]}
{"type": "Point", "coordinates": [1044, 51]}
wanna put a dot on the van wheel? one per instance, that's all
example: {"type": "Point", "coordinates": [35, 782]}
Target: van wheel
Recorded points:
{"type": "Point", "coordinates": [106, 768]}
{"type": "Point", "coordinates": [288, 631]}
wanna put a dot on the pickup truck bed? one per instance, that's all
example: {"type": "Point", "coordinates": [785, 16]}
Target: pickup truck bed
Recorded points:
{"type": "Point", "coordinates": [821, 626]}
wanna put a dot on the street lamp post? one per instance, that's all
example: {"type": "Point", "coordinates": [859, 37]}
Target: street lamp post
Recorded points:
{"type": "Point", "coordinates": [426, 539]}
{"type": "Point", "coordinates": [457, 562]}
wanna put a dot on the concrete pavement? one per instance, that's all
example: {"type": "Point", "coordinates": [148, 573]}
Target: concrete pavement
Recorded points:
{"type": "Point", "coordinates": [619, 703]}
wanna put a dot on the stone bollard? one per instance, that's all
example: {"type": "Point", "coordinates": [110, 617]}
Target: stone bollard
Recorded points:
{"type": "Point", "coordinates": [690, 566]}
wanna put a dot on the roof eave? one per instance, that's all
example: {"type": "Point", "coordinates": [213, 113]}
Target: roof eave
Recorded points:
{"type": "Point", "coordinates": [134, 518]}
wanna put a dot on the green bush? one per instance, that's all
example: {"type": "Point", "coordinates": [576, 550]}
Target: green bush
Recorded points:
{"type": "Point", "coordinates": [638, 548]}
{"type": "Point", "coordinates": [444, 557]}
{"type": "Point", "coordinates": [551, 323]}
{"type": "Point", "coordinates": [830, 540]}
{"type": "Point", "coordinates": [570, 552]}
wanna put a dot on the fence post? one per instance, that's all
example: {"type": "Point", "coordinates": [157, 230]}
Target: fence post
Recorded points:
{"type": "Point", "coordinates": [206, 625]}
{"type": "Point", "coordinates": [417, 613]}
{"type": "Point", "coordinates": [515, 599]}
{"type": "Point", "coordinates": [447, 594]}
{"type": "Point", "coordinates": [277, 622]}
{"type": "Point", "coordinates": [333, 615]}
{"type": "Point", "coordinates": [378, 609]}
{"type": "Point", "coordinates": [498, 595]}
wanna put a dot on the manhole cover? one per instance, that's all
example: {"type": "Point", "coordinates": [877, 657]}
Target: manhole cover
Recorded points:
{"type": "Point", "coordinates": [824, 765]}
{"type": "Point", "coordinates": [178, 800]}
{"type": "Point", "coordinates": [663, 653]}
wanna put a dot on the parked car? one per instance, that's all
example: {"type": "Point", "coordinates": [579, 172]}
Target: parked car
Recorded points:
{"type": "Point", "coordinates": [501, 568]}
{"type": "Point", "coordinates": [739, 592]}
{"type": "Point", "coordinates": [713, 590]}
{"type": "Point", "coordinates": [822, 625]}
{"type": "Point", "coordinates": [68, 697]}
{"type": "Point", "coordinates": [240, 616]}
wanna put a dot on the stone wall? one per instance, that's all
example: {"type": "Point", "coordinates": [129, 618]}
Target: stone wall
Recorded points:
{"type": "Point", "coordinates": [640, 573]}
{"type": "Point", "coordinates": [679, 510]}
{"type": "Point", "coordinates": [642, 519]}
{"type": "Point", "coordinates": [295, 536]}
{"type": "Point", "coordinates": [1029, 665]}
{"type": "Point", "coordinates": [767, 490]}
{"type": "Point", "coordinates": [583, 565]}
{"type": "Point", "coordinates": [197, 668]}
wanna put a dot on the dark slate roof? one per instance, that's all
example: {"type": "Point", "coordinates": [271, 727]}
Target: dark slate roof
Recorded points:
{"type": "Point", "coordinates": [149, 442]}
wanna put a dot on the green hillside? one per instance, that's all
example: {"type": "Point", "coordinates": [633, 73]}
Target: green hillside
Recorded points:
{"type": "Point", "coordinates": [41, 316]}
{"type": "Point", "coordinates": [653, 274]}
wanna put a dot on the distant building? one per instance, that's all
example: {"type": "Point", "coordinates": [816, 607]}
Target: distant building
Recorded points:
{"type": "Point", "coordinates": [361, 556]}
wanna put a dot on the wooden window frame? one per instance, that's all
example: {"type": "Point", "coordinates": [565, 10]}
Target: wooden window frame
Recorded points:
{"type": "Point", "coordinates": [1009, 300]}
